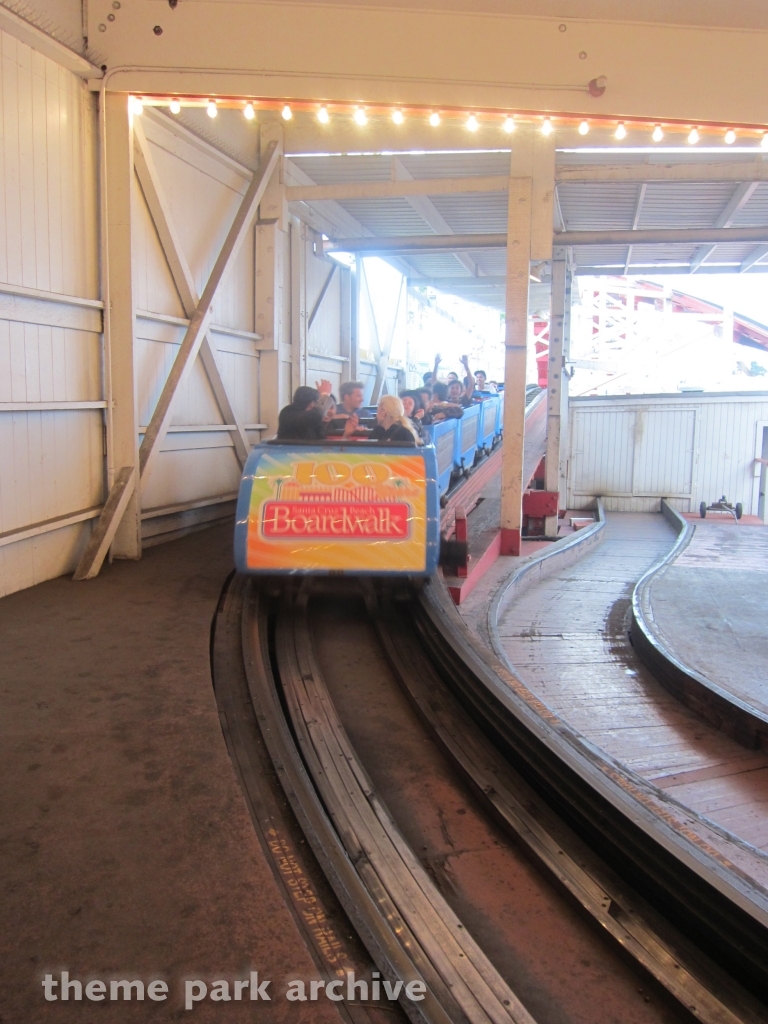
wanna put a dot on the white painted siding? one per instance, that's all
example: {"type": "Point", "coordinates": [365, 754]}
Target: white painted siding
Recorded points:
{"type": "Point", "coordinates": [51, 461]}
{"type": "Point", "coordinates": [634, 450]}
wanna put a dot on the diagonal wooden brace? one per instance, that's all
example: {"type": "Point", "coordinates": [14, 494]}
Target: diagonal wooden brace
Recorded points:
{"type": "Point", "coordinates": [182, 278]}
{"type": "Point", "coordinates": [106, 526]}
{"type": "Point", "coordinates": [200, 318]}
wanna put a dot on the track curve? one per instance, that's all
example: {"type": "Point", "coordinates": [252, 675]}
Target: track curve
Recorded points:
{"type": "Point", "coordinates": [413, 919]}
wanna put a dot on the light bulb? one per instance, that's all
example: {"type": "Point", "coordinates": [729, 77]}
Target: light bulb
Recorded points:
{"type": "Point", "coordinates": [658, 134]}
{"type": "Point", "coordinates": [764, 141]}
{"type": "Point", "coordinates": [249, 113]}
{"type": "Point", "coordinates": [472, 124]}
{"type": "Point", "coordinates": [211, 108]}
{"type": "Point", "coordinates": [434, 119]}
{"type": "Point", "coordinates": [397, 116]}
{"type": "Point", "coordinates": [546, 128]}
{"type": "Point", "coordinates": [174, 106]}
{"type": "Point", "coordinates": [621, 131]}
{"type": "Point", "coordinates": [583, 128]}
{"type": "Point", "coordinates": [137, 106]}
{"type": "Point", "coordinates": [322, 115]}
{"type": "Point", "coordinates": [509, 125]}
{"type": "Point", "coordinates": [730, 137]}
{"type": "Point", "coordinates": [693, 136]}
{"type": "Point", "coordinates": [360, 117]}
{"type": "Point", "coordinates": [287, 113]}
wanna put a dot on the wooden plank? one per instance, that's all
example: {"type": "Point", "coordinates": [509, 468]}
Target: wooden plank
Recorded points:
{"type": "Point", "coordinates": [48, 525]}
{"type": "Point", "coordinates": [571, 651]}
{"type": "Point", "coordinates": [200, 319]}
{"type": "Point", "coordinates": [50, 406]}
{"type": "Point", "coordinates": [104, 530]}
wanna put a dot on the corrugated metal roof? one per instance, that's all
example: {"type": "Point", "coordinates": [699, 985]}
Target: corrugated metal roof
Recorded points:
{"type": "Point", "coordinates": [670, 204]}
{"type": "Point", "coordinates": [387, 216]}
{"type": "Point", "coordinates": [331, 170]}
{"type": "Point", "coordinates": [455, 165]}
{"type": "Point", "coordinates": [733, 252]}
{"type": "Point", "coordinates": [484, 213]}
{"type": "Point", "coordinates": [598, 205]}
{"type": "Point", "coordinates": [436, 264]}
{"type": "Point", "coordinates": [755, 212]}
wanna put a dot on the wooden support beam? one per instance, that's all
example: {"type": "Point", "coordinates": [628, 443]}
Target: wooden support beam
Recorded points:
{"type": "Point", "coordinates": [732, 170]}
{"type": "Point", "coordinates": [104, 531]}
{"type": "Point", "coordinates": [170, 243]}
{"type": "Point", "coordinates": [664, 236]}
{"type": "Point", "coordinates": [516, 344]}
{"type": "Point", "coordinates": [117, 199]}
{"type": "Point", "coordinates": [622, 236]}
{"type": "Point", "coordinates": [418, 243]}
{"type": "Point", "coordinates": [395, 189]}
{"type": "Point", "coordinates": [200, 318]}
{"type": "Point", "coordinates": [555, 380]}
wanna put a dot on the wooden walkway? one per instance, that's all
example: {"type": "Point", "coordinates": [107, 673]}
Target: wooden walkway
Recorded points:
{"type": "Point", "coordinates": [567, 638]}
{"type": "Point", "coordinates": [720, 580]}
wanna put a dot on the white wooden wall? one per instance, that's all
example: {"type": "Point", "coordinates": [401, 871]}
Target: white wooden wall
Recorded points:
{"type": "Point", "coordinates": [52, 388]}
{"type": "Point", "coordinates": [51, 441]}
{"type": "Point", "coordinates": [197, 467]}
{"type": "Point", "coordinates": [634, 450]}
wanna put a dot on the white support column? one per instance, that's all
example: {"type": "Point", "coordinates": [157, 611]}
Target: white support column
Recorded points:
{"type": "Point", "coordinates": [555, 381]}
{"type": "Point", "coordinates": [298, 240]}
{"type": "Point", "coordinates": [516, 344]}
{"type": "Point", "coordinates": [117, 259]}
{"type": "Point", "coordinates": [565, 385]}
{"type": "Point", "coordinates": [272, 253]}
{"type": "Point", "coordinates": [274, 369]}
{"type": "Point", "coordinates": [345, 341]}
{"type": "Point", "coordinates": [354, 313]}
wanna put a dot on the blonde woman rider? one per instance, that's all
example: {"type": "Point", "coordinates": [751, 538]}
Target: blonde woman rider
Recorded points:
{"type": "Point", "coordinates": [391, 423]}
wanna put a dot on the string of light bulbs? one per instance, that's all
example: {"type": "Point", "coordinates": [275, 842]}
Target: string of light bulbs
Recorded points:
{"type": "Point", "coordinates": [472, 122]}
